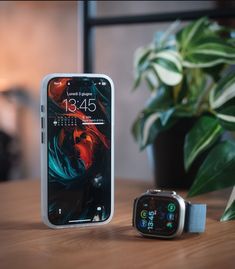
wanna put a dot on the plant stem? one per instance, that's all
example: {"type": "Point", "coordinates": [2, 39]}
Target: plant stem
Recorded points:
{"type": "Point", "coordinates": [203, 98]}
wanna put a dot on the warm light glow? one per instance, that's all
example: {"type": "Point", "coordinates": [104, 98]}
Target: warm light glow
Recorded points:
{"type": "Point", "coordinates": [4, 84]}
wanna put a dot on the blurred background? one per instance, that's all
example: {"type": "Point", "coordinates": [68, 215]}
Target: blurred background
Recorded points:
{"type": "Point", "coordinates": [41, 37]}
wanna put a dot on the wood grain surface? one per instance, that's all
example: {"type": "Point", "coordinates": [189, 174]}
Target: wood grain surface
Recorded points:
{"type": "Point", "coordinates": [25, 242]}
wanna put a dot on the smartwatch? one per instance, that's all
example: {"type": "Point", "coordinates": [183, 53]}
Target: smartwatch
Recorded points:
{"type": "Point", "coordinates": [165, 214]}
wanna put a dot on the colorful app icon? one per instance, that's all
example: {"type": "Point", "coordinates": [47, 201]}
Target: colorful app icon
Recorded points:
{"type": "Point", "coordinates": [143, 223]}
{"type": "Point", "coordinates": [170, 216]}
{"type": "Point", "coordinates": [171, 207]}
{"type": "Point", "coordinates": [169, 225]}
{"type": "Point", "coordinates": [144, 214]}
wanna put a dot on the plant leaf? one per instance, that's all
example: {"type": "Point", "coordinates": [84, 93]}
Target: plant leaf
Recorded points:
{"type": "Point", "coordinates": [136, 130]}
{"type": "Point", "coordinates": [137, 81]}
{"type": "Point", "coordinates": [212, 48]}
{"type": "Point", "coordinates": [215, 71]}
{"type": "Point", "coordinates": [162, 39]}
{"type": "Point", "coordinates": [209, 55]}
{"type": "Point", "coordinates": [191, 32]}
{"type": "Point", "coordinates": [141, 54]}
{"type": "Point", "coordinates": [204, 61]}
{"type": "Point", "coordinates": [161, 100]}
{"type": "Point", "coordinates": [229, 214]}
{"type": "Point", "coordinates": [226, 117]}
{"type": "Point", "coordinates": [201, 45]}
{"type": "Point", "coordinates": [151, 79]}
{"type": "Point", "coordinates": [166, 115]}
{"type": "Point", "coordinates": [167, 72]}
{"type": "Point", "coordinates": [185, 110]}
{"type": "Point", "coordinates": [204, 133]}
{"type": "Point", "coordinates": [217, 171]}
{"type": "Point", "coordinates": [148, 125]}
{"type": "Point", "coordinates": [171, 56]}
{"type": "Point", "coordinates": [140, 64]}
{"type": "Point", "coordinates": [145, 128]}
{"type": "Point", "coordinates": [223, 92]}
{"type": "Point", "coordinates": [167, 66]}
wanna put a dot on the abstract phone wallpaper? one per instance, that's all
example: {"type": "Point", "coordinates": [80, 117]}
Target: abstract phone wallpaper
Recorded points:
{"type": "Point", "coordinates": [79, 150]}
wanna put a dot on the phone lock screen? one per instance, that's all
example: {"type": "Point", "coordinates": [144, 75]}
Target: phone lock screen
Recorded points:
{"type": "Point", "coordinates": [79, 150]}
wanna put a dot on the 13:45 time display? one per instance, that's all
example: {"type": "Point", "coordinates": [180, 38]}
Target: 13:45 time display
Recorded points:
{"type": "Point", "coordinates": [72, 105]}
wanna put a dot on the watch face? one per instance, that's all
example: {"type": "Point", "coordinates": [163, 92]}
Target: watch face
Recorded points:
{"type": "Point", "coordinates": [157, 215]}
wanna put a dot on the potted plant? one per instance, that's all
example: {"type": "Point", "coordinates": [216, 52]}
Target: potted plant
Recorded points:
{"type": "Point", "coordinates": [191, 109]}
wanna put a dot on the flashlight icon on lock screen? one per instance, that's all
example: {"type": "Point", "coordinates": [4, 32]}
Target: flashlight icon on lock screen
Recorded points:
{"type": "Point", "coordinates": [143, 214]}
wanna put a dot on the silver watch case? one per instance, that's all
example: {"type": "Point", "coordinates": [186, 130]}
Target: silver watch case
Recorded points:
{"type": "Point", "coordinates": [182, 212]}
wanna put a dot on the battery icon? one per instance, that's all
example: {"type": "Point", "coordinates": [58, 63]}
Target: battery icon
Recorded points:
{"type": "Point", "coordinates": [103, 83]}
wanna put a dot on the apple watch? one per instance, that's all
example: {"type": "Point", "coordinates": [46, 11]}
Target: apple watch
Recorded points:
{"type": "Point", "coordinates": [165, 214]}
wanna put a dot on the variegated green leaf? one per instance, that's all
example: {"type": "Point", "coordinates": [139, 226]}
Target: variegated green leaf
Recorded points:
{"type": "Point", "coordinates": [146, 128]}
{"type": "Point", "coordinates": [171, 56]}
{"type": "Point", "coordinates": [191, 32]}
{"type": "Point", "coordinates": [164, 39]}
{"type": "Point", "coordinates": [167, 66]}
{"type": "Point", "coordinates": [223, 92]}
{"type": "Point", "coordinates": [201, 46]}
{"type": "Point", "coordinates": [166, 115]}
{"type": "Point", "coordinates": [140, 56]}
{"type": "Point", "coordinates": [137, 81]}
{"type": "Point", "coordinates": [209, 54]}
{"type": "Point", "coordinates": [229, 214]}
{"type": "Point", "coordinates": [161, 100]}
{"type": "Point", "coordinates": [167, 75]}
{"type": "Point", "coordinates": [226, 117]}
{"type": "Point", "coordinates": [215, 71]}
{"type": "Point", "coordinates": [217, 171]}
{"type": "Point", "coordinates": [204, 133]}
{"type": "Point", "coordinates": [148, 124]}
{"type": "Point", "coordinates": [204, 61]}
{"type": "Point", "coordinates": [151, 79]}
{"type": "Point", "coordinates": [140, 64]}
{"type": "Point", "coordinates": [150, 120]}
{"type": "Point", "coordinates": [213, 46]}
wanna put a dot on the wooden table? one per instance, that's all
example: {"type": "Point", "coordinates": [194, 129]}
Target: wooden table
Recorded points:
{"type": "Point", "coordinates": [26, 243]}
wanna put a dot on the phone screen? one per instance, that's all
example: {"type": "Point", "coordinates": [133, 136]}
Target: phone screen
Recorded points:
{"type": "Point", "coordinates": [79, 150]}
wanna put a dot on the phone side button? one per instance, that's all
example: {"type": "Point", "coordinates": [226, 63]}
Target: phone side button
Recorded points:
{"type": "Point", "coordinates": [42, 137]}
{"type": "Point", "coordinates": [42, 122]}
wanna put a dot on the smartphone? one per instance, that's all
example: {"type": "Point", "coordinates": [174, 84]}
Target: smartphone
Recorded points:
{"type": "Point", "coordinates": [77, 150]}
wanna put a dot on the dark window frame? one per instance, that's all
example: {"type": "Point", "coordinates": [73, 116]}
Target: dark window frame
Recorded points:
{"type": "Point", "coordinates": [90, 23]}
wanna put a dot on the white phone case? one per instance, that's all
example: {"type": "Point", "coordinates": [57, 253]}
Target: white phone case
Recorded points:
{"type": "Point", "coordinates": [44, 150]}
